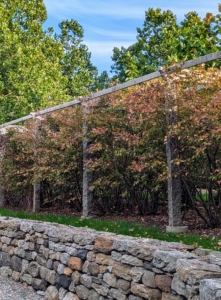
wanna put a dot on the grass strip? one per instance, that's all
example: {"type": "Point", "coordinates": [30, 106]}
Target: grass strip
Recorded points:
{"type": "Point", "coordinates": [118, 227]}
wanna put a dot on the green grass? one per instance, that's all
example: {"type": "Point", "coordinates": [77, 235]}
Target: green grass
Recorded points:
{"type": "Point", "coordinates": [118, 227]}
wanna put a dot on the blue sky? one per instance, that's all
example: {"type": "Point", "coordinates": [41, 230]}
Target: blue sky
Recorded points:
{"type": "Point", "coordinates": [109, 24]}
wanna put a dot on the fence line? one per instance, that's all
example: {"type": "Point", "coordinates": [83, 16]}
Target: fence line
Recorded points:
{"type": "Point", "coordinates": [87, 197]}
{"type": "Point", "coordinates": [188, 64]}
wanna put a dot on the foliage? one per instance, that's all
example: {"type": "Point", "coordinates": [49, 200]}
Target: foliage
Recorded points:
{"type": "Point", "coordinates": [128, 132]}
{"type": "Point", "coordinates": [76, 65]}
{"type": "Point", "coordinates": [30, 73]}
{"type": "Point", "coordinates": [39, 68]}
{"type": "Point", "coordinates": [163, 41]}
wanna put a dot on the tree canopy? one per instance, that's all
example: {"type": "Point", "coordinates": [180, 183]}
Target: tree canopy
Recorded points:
{"type": "Point", "coordinates": [37, 68]}
{"type": "Point", "coordinates": [163, 41]}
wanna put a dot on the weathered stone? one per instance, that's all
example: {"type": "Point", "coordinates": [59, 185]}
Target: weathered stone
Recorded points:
{"type": "Point", "coordinates": [116, 294]}
{"type": "Point", "coordinates": [93, 269]}
{"type": "Point", "coordinates": [64, 258]}
{"type": "Point", "coordinates": [148, 279]}
{"type": "Point", "coordinates": [132, 297]}
{"type": "Point", "coordinates": [82, 292]}
{"type": "Point", "coordinates": [210, 289]}
{"type": "Point", "coordinates": [123, 286]}
{"type": "Point", "coordinates": [131, 260]}
{"type": "Point", "coordinates": [25, 265]}
{"type": "Point", "coordinates": [86, 280]}
{"type": "Point", "coordinates": [48, 275]}
{"type": "Point", "coordinates": [75, 277]}
{"type": "Point", "coordinates": [85, 267]}
{"type": "Point", "coordinates": [100, 289]}
{"type": "Point", "coordinates": [71, 251]}
{"type": "Point", "coordinates": [110, 279]}
{"type": "Point", "coordinates": [121, 270]}
{"type": "Point", "coordinates": [84, 238]}
{"type": "Point", "coordinates": [163, 282]}
{"type": "Point", "coordinates": [55, 265]}
{"type": "Point", "coordinates": [116, 255]}
{"type": "Point", "coordinates": [60, 269]}
{"type": "Point", "coordinates": [102, 269]}
{"type": "Point", "coordinates": [5, 240]}
{"type": "Point", "coordinates": [75, 263]}
{"type": "Point", "coordinates": [166, 260]}
{"type": "Point", "coordinates": [63, 280]}
{"type": "Point", "coordinates": [39, 284]}
{"type": "Point", "coordinates": [51, 293]}
{"type": "Point", "coordinates": [5, 271]}
{"type": "Point", "coordinates": [16, 263]}
{"type": "Point", "coordinates": [41, 260]}
{"type": "Point", "coordinates": [167, 296]}
{"type": "Point", "coordinates": [62, 292]}
{"type": "Point", "coordinates": [180, 288]}
{"type": "Point", "coordinates": [145, 292]}
{"type": "Point", "coordinates": [192, 271]}
{"type": "Point", "coordinates": [136, 273]}
{"type": "Point", "coordinates": [103, 259]}
{"type": "Point", "coordinates": [91, 256]}
{"type": "Point", "coordinates": [33, 269]}
{"type": "Point", "coordinates": [26, 226]}
{"type": "Point", "coordinates": [93, 295]}
{"type": "Point", "coordinates": [82, 254]}
{"type": "Point", "coordinates": [15, 275]}
{"type": "Point", "coordinates": [70, 296]}
{"type": "Point", "coordinates": [4, 259]}
{"type": "Point", "coordinates": [39, 227]}
{"type": "Point", "coordinates": [104, 243]}
{"type": "Point", "coordinates": [26, 278]}
{"type": "Point", "coordinates": [68, 271]}
{"type": "Point", "coordinates": [10, 250]}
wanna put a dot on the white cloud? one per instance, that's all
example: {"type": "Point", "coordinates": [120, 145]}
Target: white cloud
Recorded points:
{"type": "Point", "coordinates": [115, 9]}
{"type": "Point", "coordinates": [105, 48]}
{"type": "Point", "coordinates": [123, 35]}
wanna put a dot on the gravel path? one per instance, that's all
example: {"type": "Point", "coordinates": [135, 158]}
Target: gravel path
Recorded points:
{"type": "Point", "coordinates": [11, 290]}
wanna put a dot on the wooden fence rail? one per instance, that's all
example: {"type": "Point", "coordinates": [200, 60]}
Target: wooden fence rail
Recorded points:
{"type": "Point", "coordinates": [87, 197]}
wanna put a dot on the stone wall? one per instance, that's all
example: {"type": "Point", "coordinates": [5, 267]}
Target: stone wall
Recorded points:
{"type": "Point", "coordinates": [64, 262]}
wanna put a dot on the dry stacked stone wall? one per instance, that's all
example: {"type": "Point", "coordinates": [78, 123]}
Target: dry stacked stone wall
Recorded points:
{"type": "Point", "coordinates": [64, 262]}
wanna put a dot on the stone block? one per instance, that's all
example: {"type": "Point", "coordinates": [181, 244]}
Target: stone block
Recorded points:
{"type": "Point", "coordinates": [121, 270]}
{"type": "Point", "coordinates": [75, 263]}
{"type": "Point", "coordinates": [168, 296]}
{"type": "Point", "coordinates": [86, 280]}
{"type": "Point", "coordinates": [210, 289]}
{"type": "Point", "coordinates": [16, 263]}
{"type": "Point", "coordinates": [143, 291]}
{"type": "Point", "coordinates": [51, 293]}
{"type": "Point", "coordinates": [163, 282]}
{"type": "Point", "coordinates": [148, 279]}
{"type": "Point", "coordinates": [100, 289]}
{"type": "Point", "coordinates": [82, 292]}
{"type": "Point", "coordinates": [104, 243]}
{"type": "Point", "coordinates": [116, 294]}
{"type": "Point", "coordinates": [131, 260]}
{"type": "Point", "coordinates": [110, 279]}
{"type": "Point", "coordinates": [33, 269]}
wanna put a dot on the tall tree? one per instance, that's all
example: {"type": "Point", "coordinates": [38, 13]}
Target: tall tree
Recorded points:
{"type": "Point", "coordinates": [77, 68]}
{"type": "Point", "coordinates": [163, 41]}
{"type": "Point", "coordinates": [30, 71]}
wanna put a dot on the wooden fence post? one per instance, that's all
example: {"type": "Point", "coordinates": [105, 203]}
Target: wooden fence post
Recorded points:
{"type": "Point", "coordinates": [87, 197]}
